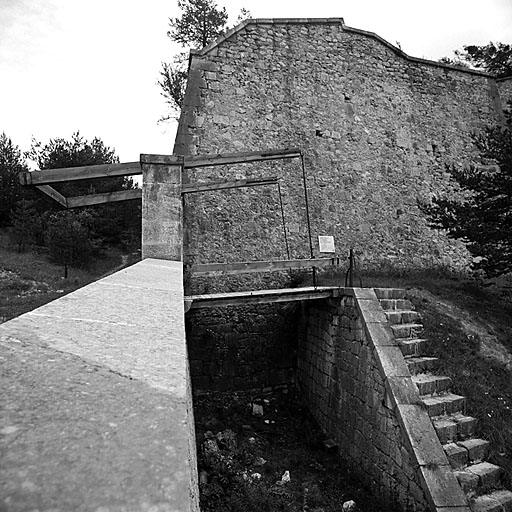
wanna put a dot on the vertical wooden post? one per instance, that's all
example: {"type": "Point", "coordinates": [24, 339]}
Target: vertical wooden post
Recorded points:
{"type": "Point", "coordinates": [162, 212]}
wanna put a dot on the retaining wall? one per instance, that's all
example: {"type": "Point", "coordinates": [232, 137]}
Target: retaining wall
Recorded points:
{"type": "Point", "coordinates": [242, 348]}
{"type": "Point", "coordinates": [355, 381]}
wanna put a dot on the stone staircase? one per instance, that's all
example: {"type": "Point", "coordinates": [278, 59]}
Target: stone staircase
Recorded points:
{"type": "Point", "coordinates": [457, 431]}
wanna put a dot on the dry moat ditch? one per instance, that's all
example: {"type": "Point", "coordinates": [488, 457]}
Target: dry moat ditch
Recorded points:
{"type": "Point", "coordinates": [266, 453]}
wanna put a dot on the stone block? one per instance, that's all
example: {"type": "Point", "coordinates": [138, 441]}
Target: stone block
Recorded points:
{"type": "Point", "coordinates": [390, 361]}
{"type": "Point", "coordinates": [361, 293]}
{"type": "Point", "coordinates": [380, 334]}
{"type": "Point", "coordinates": [373, 315]}
{"type": "Point", "coordinates": [402, 390]}
{"type": "Point", "coordinates": [443, 488]}
{"type": "Point", "coordinates": [457, 455]}
{"type": "Point", "coordinates": [420, 435]}
{"type": "Point", "coordinates": [477, 448]}
{"type": "Point", "coordinates": [468, 481]}
{"type": "Point", "coordinates": [489, 474]}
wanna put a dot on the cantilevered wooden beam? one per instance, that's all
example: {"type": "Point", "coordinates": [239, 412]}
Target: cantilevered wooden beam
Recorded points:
{"type": "Point", "coordinates": [247, 267]}
{"type": "Point", "coordinates": [220, 185]}
{"type": "Point", "coordinates": [107, 197]}
{"type": "Point", "coordinates": [237, 158]}
{"type": "Point", "coordinates": [79, 173]}
{"type": "Point", "coordinates": [53, 194]}
{"type": "Point", "coordinates": [261, 297]}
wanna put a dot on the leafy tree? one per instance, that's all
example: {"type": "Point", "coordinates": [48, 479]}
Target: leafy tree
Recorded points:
{"type": "Point", "coordinates": [173, 80]}
{"type": "Point", "coordinates": [112, 222]}
{"type": "Point", "coordinates": [11, 163]}
{"type": "Point", "coordinates": [59, 153]}
{"type": "Point", "coordinates": [200, 23]}
{"type": "Point", "coordinates": [27, 225]}
{"type": "Point", "coordinates": [69, 238]}
{"type": "Point", "coordinates": [482, 217]}
{"type": "Point", "coordinates": [494, 58]}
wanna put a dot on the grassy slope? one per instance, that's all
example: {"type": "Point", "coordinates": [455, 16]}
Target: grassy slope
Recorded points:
{"type": "Point", "coordinates": [28, 280]}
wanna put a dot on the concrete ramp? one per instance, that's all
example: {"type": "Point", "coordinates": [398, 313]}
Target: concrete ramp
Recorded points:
{"type": "Point", "coordinates": [95, 409]}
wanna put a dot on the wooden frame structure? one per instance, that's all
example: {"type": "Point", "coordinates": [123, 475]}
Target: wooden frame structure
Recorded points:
{"type": "Point", "coordinates": [43, 180]}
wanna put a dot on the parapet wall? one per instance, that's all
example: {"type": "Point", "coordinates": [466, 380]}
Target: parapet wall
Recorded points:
{"type": "Point", "coordinates": [377, 129]}
{"type": "Point", "coordinates": [96, 408]}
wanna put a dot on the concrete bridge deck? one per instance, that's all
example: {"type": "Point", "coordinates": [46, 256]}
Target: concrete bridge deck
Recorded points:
{"type": "Point", "coordinates": [95, 407]}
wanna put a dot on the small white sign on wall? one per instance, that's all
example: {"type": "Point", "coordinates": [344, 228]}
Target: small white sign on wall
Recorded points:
{"type": "Point", "coordinates": [326, 243]}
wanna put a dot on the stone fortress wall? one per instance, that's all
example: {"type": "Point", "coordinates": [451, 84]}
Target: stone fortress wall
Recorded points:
{"type": "Point", "coordinates": [377, 129]}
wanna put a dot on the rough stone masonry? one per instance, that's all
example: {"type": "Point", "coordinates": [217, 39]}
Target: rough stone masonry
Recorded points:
{"type": "Point", "coordinates": [377, 128]}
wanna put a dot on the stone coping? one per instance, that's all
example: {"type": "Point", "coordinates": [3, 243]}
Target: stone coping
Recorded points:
{"type": "Point", "coordinates": [340, 21]}
{"type": "Point", "coordinates": [95, 412]}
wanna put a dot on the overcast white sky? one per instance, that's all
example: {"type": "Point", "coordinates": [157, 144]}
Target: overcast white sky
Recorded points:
{"type": "Point", "coordinates": [92, 65]}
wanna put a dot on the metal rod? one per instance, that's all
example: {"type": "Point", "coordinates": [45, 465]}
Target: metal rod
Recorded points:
{"type": "Point", "coordinates": [307, 213]}
{"type": "Point", "coordinates": [307, 203]}
{"type": "Point", "coordinates": [284, 224]}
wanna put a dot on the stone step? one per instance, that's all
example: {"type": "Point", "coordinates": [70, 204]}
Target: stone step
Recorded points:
{"type": "Point", "coordinates": [403, 317]}
{"type": "Point", "coordinates": [406, 330]}
{"type": "Point", "coordinates": [454, 427]}
{"type": "Point", "coordinates": [457, 455]}
{"type": "Point", "coordinates": [396, 304]}
{"type": "Point", "coordinates": [412, 347]}
{"type": "Point", "coordinates": [470, 451]}
{"type": "Point", "coordinates": [429, 384]}
{"type": "Point", "coordinates": [447, 403]}
{"type": "Point", "coordinates": [496, 501]}
{"type": "Point", "coordinates": [421, 364]}
{"type": "Point", "coordinates": [389, 293]}
{"type": "Point", "coordinates": [478, 449]}
{"type": "Point", "coordinates": [489, 475]}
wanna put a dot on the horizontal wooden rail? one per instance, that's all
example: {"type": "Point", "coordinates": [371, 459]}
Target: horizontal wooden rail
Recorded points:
{"type": "Point", "coordinates": [79, 173]}
{"type": "Point", "coordinates": [221, 185]}
{"type": "Point", "coordinates": [261, 297]}
{"type": "Point", "coordinates": [259, 266]}
{"type": "Point", "coordinates": [107, 197]}
{"type": "Point", "coordinates": [84, 172]}
{"type": "Point", "coordinates": [238, 158]}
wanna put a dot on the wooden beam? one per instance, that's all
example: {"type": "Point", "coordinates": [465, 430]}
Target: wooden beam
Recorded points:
{"type": "Point", "coordinates": [238, 158]}
{"type": "Point", "coordinates": [79, 173]}
{"type": "Point", "coordinates": [53, 194]}
{"type": "Point", "coordinates": [259, 266]}
{"type": "Point", "coordinates": [220, 185]}
{"type": "Point", "coordinates": [107, 197]}
{"type": "Point", "coordinates": [261, 297]}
